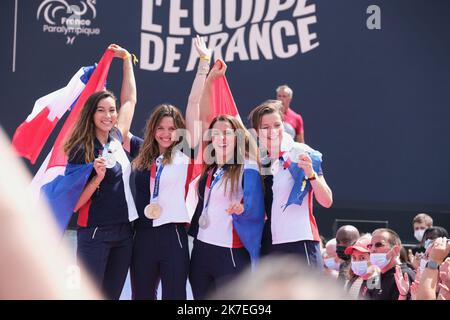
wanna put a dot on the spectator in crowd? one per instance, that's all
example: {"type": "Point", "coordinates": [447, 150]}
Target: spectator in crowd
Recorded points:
{"type": "Point", "coordinates": [330, 258]}
{"type": "Point", "coordinates": [384, 253]}
{"type": "Point", "coordinates": [434, 281]}
{"type": "Point", "coordinates": [360, 267]}
{"type": "Point", "coordinates": [293, 122]}
{"type": "Point", "coordinates": [346, 236]}
{"type": "Point", "coordinates": [421, 222]}
{"type": "Point", "coordinates": [429, 236]}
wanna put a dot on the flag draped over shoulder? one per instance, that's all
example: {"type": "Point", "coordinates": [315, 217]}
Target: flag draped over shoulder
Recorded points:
{"type": "Point", "coordinates": [250, 224]}
{"type": "Point", "coordinates": [63, 192]}
{"type": "Point", "coordinates": [59, 182]}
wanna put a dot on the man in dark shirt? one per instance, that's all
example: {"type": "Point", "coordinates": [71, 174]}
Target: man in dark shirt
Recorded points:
{"type": "Point", "coordinates": [346, 236]}
{"type": "Point", "coordinates": [384, 253]}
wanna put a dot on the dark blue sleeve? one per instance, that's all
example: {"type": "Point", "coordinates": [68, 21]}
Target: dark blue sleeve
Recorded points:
{"type": "Point", "coordinates": [116, 134]}
{"type": "Point", "coordinates": [135, 146]}
{"type": "Point", "coordinates": [77, 156]}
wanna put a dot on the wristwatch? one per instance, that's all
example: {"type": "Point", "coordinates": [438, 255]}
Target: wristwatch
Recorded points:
{"type": "Point", "coordinates": [432, 265]}
{"type": "Point", "coordinates": [313, 177]}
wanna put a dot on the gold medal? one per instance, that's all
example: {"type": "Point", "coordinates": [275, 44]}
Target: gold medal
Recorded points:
{"type": "Point", "coordinates": [153, 211]}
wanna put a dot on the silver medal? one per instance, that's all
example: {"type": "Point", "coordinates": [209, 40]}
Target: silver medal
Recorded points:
{"type": "Point", "coordinates": [110, 159]}
{"type": "Point", "coordinates": [203, 221]}
{"type": "Point", "coordinates": [295, 153]}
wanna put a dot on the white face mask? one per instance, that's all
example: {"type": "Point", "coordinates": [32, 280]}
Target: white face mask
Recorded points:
{"type": "Point", "coordinates": [427, 243]}
{"type": "Point", "coordinates": [331, 264]}
{"type": "Point", "coordinates": [418, 234]}
{"type": "Point", "coordinates": [379, 259]}
{"type": "Point", "coordinates": [423, 264]}
{"type": "Point", "coordinates": [359, 267]}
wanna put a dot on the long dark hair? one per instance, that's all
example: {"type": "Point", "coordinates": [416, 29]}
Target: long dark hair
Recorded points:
{"type": "Point", "coordinates": [83, 133]}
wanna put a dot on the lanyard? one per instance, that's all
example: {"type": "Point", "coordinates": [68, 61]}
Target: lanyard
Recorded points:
{"type": "Point", "coordinates": [217, 175]}
{"type": "Point", "coordinates": [284, 162]}
{"type": "Point", "coordinates": [156, 175]}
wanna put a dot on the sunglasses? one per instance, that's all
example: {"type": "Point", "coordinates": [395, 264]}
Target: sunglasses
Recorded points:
{"type": "Point", "coordinates": [376, 245]}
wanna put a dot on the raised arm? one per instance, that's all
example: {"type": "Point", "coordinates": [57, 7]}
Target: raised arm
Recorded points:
{"type": "Point", "coordinates": [217, 71]}
{"type": "Point", "coordinates": [193, 124]}
{"type": "Point", "coordinates": [429, 279]}
{"type": "Point", "coordinates": [128, 96]}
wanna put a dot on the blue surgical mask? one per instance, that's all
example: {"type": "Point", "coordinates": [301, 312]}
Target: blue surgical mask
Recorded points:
{"type": "Point", "coordinates": [379, 259]}
{"type": "Point", "coordinates": [360, 267]}
{"type": "Point", "coordinates": [427, 243]}
{"type": "Point", "coordinates": [331, 264]}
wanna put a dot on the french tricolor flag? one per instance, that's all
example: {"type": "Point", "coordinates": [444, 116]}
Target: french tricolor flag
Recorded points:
{"type": "Point", "coordinates": [62, 184]}
{"type": "Point", "coordinates": [31, 135]}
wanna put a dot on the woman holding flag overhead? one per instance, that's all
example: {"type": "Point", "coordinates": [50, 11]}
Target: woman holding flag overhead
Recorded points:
{"type": "Point", "coordinates": [292, 175]}
{"type": "Point", "coordinates": [106, 206]}
{"type": "Point", "coordinates": [229, 217]}
{"type": "Point", "coordinates": [163, 163]}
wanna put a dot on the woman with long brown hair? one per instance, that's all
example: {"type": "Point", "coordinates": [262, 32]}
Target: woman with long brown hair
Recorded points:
{"type": "Point", "coordinates": [163, 162]}
{"type": "Point", "coordinates": [106, 207]}
{"type": "Point", "coordinates": [229, 217]}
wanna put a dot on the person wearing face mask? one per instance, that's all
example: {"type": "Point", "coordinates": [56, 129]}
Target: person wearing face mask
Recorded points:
{"type": "Point", "coordinates": [330, 259]}
{"type": "Point", "coordinates": [346, 236]}
{"type": "Point", "coordinates": [421, 222]}
{"type": "Point", "coordinates": [360, 267]}
{"type": "Point", "coordinates": [429, 236]}
{"type": "Point", "coordinates": [384, 253]}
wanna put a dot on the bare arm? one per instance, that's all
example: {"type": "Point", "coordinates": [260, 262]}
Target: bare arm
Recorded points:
{"type": "Point", "coordinates": [217, 71]}
{"type": "Point", "coordinates": [128, 95]}
{"type": "Point", "coordinates": [429, 279]}
{"type": "Point", "coordinates": [193, 126]}
{"type": "Point", "coordinates": [322, 191]}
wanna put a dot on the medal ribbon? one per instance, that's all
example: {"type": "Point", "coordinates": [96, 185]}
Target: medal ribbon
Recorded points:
{"type": "Point", "coordinates": [156, 176]}
{"type": "Point", "coordinates": [210, 185]}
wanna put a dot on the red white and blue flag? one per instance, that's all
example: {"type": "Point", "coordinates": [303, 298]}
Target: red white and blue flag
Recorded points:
{"type": "Point", "coordinates": [61, 183]}
{"type": "Point", "coordinates": [250, 224]}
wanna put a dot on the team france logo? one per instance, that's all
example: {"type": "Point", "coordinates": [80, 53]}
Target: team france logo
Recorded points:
{"type": "Point", "coordinates": [72, 20]}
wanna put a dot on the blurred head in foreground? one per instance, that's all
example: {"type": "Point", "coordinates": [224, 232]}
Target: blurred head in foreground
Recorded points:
{"type": "Point", "coordinates": [34, 262]}
{"type": "Point", "coordinates": [282, 277]}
